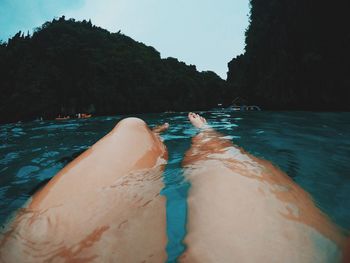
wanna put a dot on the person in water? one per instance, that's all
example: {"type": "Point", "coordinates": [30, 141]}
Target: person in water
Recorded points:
{"type": "Point", "coordinates": [105, 206]}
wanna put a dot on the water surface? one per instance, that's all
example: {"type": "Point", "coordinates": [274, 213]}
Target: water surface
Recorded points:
{"type": "Point", "coordinates": [312, 148]}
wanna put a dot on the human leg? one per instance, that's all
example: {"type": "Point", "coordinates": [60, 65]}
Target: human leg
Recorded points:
{"type": "Point", "coordinates": [243, 209]}
{"type": "Point", "coordinates": [104, 206]}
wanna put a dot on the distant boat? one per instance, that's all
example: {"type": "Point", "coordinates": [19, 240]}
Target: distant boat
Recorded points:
{"type": "Point", "coordinates": [59, 118]}
{"type": "Point", "coordinates": [78, 116]}
{"type": "Point", "coordinates": [83, 115]}
{"type": "Point", "coordinates": [240, 104]}
{"type": "Point", "coordinates": [244, 108]}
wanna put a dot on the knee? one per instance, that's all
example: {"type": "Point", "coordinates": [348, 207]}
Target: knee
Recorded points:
{"type": "Point", "coordinates": [131, 122]}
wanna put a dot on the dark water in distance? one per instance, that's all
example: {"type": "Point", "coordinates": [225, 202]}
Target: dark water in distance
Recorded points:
{"type": "Point", "coordinates": [312, 148]}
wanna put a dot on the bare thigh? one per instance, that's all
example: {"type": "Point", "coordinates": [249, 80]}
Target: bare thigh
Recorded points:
{"type": "Point", "coordinates": [243, 209]}
{"type": "Point", "coordinates": [105, 206]}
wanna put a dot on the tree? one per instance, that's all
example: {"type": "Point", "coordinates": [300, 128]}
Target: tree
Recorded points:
{"type": "Point", "coordinates": [66, 66]}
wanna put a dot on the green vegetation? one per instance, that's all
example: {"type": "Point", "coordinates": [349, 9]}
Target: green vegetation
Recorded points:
{"type": "Point", "coordinates": [67, 67]}
{"type": "Point", "coordinates": [297, 56]}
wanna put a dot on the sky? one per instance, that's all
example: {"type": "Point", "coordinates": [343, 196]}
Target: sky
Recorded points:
{"type": "Point", "coordinates": [204, 33]}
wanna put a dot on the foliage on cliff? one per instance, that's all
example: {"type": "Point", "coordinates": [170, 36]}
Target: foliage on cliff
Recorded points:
{"type": "Point", "coordinates": [297, 56]}
{"type": "Point", "coordinates": [69, 66]}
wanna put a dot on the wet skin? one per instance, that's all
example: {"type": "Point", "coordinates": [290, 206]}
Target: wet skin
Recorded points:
{"type": "Point", "coordinates": [105, 206]}
{"type": "Point", "coordinates": [243, 209]}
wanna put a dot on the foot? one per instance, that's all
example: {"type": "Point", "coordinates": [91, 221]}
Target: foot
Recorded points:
{"type": "Point", "coordinates": [197, 120]}
{"type": "Point", "coordinates": [161, 128]}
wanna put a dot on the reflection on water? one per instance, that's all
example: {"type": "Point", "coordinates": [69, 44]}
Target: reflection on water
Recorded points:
{"type": "Point", "coordinates": [175, 190]}
{"type": "Point", "coordinates": [312, 148]}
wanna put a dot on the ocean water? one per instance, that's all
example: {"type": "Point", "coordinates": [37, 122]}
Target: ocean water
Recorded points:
{"type": "Point", "coordinates": [312, 148]}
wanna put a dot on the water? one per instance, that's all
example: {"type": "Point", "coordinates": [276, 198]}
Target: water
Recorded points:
{"type": "Point", "coordinates": [312, 148]}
